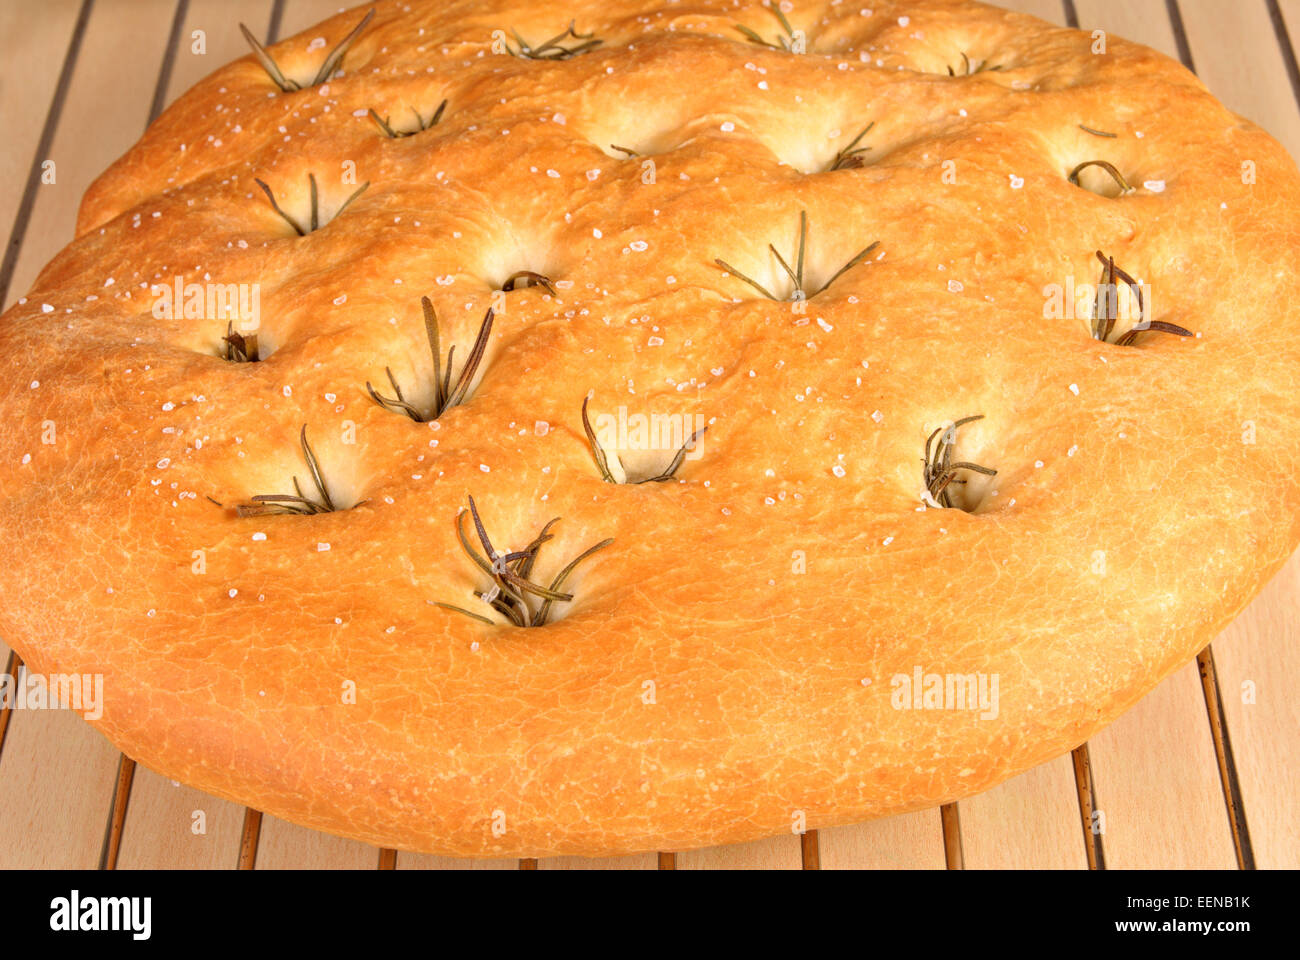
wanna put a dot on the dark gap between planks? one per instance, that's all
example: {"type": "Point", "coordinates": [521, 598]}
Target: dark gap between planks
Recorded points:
{"type": "Point", "coordinates": [1288, 50]}
{"type": "Point", "coordinates": [952, 851]}
{"type": "Point", "coordinates": [1087, 794]}
{"type": "Point", "coordinates": [1223, 757]}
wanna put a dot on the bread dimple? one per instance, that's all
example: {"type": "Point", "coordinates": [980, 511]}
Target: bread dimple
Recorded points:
{"type": "Point", "coordinates": [727, 662]}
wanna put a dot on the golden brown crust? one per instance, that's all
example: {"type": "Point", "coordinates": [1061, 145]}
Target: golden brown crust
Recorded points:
{"type": "Point", "coordinates": [702, 688]}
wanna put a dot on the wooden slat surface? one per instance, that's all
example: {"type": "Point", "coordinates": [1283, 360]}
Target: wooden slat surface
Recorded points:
{"type": "Point", "coordinates": [163, 827]}
{"type": "Point", "coordinates": [287, 846]}
{"type": "Point", "coordinates": [1157, 784]}
{"type": "Point", "coordinates": [56, 778]}
{"type": "Point", "coordinates": [219, 21]}
{"type": "Point", "coordinates": [1155, 775]}
{"type": "Point", "coordinates": [423, 861]}
{"type": "Point", "coordinates": [1258, 661]}
{"type": "Point", "coordinates": [1030, 821]}
{"type": "Point", "coordinates": [913, 841]}
{"type": "Point", "coordinates": [100, 121]}
{"type": "Point", "coordinates": [641, 861]}
{"type": "Point", "coordinates": [34, 53]}
{"type": "Point", "coordinates": [775, 853]}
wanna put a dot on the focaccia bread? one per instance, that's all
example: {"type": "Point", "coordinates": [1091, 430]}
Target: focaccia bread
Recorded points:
{"type": "Point", "coordinates": [750, 273]}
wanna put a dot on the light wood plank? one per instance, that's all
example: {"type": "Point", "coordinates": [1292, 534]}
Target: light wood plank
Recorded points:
{"type": "Point", "coordinates": [913, 841]}
{"type": "Point", "coordinates": [162, 827]}
{"type": "Point", "coordinates": [219, 20]}
{"type": "Point", "coordinates": [1145, 22]}
{"type": "Point", "coordinates": [105, 113]}
{"type": "Point", "coordinates": [775, 853]}
{"type": "Point", "coordinates": [36, 40]}
{"type": "Point", "coordinates": [1237, 55]}
{"type": "Point", "coordinates": [299, 15]}
{"type": "Point", "coordinates": [1030, 822]}
{"type": "Point", "coordinates": [56, 780]}
{"type": "Point", "coordinates": [1053, 11]}
{"type": "Point", "coordinates": [1258, 662]}
{"type": "Point", "coordinates": [639, 861]}
{"type": "Point", "coordinates": [424, 861]}
{"type": "Point", "coordinates": [287, 846]}
{"type": "Point", "coordinates": [1158, 786]}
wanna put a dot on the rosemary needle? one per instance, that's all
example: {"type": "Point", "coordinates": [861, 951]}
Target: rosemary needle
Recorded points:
{"type": "Point", "coordinates": [940, 469]}
{"type": "Point", "coordinates": [314, 224]}
{"type": "Point", "coordinates": [447, 393]}
{"type": "Point", "coordinates": [513, 594]}
{"type": "Point", "coordinates": [796, 273]}
{"type": "Point", "coordinates": [326, 70]}
{"type": "Point", "coordinates": [297, 502]}
{"type": "Point", "coordinates": [602, 458]}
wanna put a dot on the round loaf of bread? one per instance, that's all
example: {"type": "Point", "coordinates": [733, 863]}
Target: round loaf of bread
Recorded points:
{"type": "Point", "coordinates": [930, 372]}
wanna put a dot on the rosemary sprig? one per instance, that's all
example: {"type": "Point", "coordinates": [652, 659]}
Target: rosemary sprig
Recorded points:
{"type": "Point", "coordinates": [297, 502]}
{"type": "Point", "coordinates": [446, 393]}
{"type": "Point", "coordinates": [1104, 165]}
{"type": "Point", "coordinates": [796, 274]}
{"type": "Point", "coordinates": [1107, 309]}
{"type": "Point", "coordinates": [625, 150]}
{"type": "Point", "coordinates": [554, 48]}
{"type": "Point", "coordinates": [527, 278]}
{"type": "Point", "coordinates": [850, 157]}
{"type": "Point", "coordinates": [240, 348]}
{"type": "Point", "coordinates": [1098, 133]}
{"type": "Point", "coordinates": [326, 70]}
{"type": "Point", "coordinates": [602, 458]}
{"type": "Point", "coordinates": [420, 124]}
{"type": "Point", "coordinates": [513, 593]}
{"type": "Point", "coordinates": [786, 42]}
{"type": "Point", "coordinates": [940, 470]}
{"type": "Point", "coordinates": [315, 223]}
{"type": "Point", "coordinates": [969, 70]}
